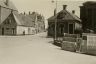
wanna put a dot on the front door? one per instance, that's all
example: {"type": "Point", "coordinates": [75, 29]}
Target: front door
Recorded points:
{"type": "Point", "coordinates": [71, 28]}
{"type": "Point", "coordinates": [61, 30]}
{"type": "Point", "coordinates": [2, 31]}
{"type": "Point", "coordinates": [13, 31]}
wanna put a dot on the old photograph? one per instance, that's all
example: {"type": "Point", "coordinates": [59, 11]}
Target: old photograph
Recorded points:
{"type": "Point", "coordinates": [47, 32]}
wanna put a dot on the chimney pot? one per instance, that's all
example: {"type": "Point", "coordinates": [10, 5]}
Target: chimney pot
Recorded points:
{"type": "Point", "coordinates": [73, 11]}
{"type": "Point", "coordinates": [64, 7]}
{"type": "Point", "coordinates": [24, 13]}
{"type": "Point", "coordinates": [54, 12]}
{"type": "Point", "coordinates": [29, 12]}
{"type": "Point", "coordinates": [7, 2]}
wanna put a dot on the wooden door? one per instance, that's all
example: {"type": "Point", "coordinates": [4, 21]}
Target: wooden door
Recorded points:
{"type": "Point", "coordinates": [2, 31]}
{"type": "Point", "coordinates": [71, 28]}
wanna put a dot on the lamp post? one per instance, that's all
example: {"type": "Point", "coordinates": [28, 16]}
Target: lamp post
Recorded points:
{"type": "Point", "coordinates": [55, 12]}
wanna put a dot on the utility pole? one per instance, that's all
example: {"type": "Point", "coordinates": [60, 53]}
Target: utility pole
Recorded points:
{"type": "Point", "coordinates": [55, 36]}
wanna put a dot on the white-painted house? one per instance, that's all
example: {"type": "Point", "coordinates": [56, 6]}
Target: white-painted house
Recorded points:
{"type": "Point", "coordinates": [13, 23]}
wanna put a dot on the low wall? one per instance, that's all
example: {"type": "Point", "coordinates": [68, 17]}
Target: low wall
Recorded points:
{"type": "Point", "coordinates": [68, 46]}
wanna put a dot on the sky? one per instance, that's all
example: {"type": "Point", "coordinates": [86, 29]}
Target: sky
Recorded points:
{"type": "Point", "coordinates": [46, 7]}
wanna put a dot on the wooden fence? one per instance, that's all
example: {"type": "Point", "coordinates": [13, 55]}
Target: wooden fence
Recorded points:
{"type": "Point", "coordinates": [91, 44]}
{"type": "Point", "coordinates": [69, 42]}
{"type": "Point", "coordinates": [86, 44]}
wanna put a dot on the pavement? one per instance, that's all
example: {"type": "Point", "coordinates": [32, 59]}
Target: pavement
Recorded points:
{"type": "Point", "coordinates": [37, 49]}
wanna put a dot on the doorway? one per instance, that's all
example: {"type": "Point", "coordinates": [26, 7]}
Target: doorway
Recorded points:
{"type": "Point", "coordinates": [61, 28]}
{"type": "Point", "coordinates": [2, 31]}
{"type": "Point", "coordinates": [71, 28]}
{"type": "Point", "coordinates": [13, 31]}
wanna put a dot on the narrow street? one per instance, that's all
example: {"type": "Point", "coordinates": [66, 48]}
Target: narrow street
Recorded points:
{"type": "Point", "coordinates": [37, 49]}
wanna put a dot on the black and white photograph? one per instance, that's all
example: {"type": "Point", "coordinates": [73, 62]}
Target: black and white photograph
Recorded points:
{"type": "Point", "coordinates": [47, 31]}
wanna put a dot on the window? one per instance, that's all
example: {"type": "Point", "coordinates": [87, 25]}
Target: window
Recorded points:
{"type": "Point", "coordinates": [8, 21]}
{"type": "Point", "coordinates": [7, 28]}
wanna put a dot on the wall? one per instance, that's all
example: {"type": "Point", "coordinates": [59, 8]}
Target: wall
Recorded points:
{"type": "Point", "coordinates": [27, 30]}
{"type": "Point", "coordinates": [87, 15]}
{"type": "Point", "coordinates": [8, 29]}
{"type": "Point", "coordinates": [78, 26]}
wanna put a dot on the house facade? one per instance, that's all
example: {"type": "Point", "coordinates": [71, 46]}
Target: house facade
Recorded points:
{"type": "Point", "coordinates": [17, 24]}
{"type": "Point", "coordinates": [88, 16]}
{"type": "Point", "coordinates": [39, 21]}
{"type": "Point", "coordinates": [8, 27]}
{"type": "Point", "coordinates": [13, 23]}
{"type": "Point", "coordinates": [66, 23]}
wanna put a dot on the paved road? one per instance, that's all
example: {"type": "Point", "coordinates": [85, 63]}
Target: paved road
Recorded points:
{"type": "Point", "coordinates": [37, 49]}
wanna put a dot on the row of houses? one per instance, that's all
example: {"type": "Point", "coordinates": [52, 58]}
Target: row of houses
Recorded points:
{"type": "Point", "coordinates": [13, 23]}
{"type": "Point", "coordinates": [68, 22]}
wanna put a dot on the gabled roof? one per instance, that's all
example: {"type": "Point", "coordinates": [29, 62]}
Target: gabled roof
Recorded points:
{"type": "Point", "coordinates": [23, 20]}
{"type": "Point", "coordinates": [4, 15]}
{"type": "Point", "coordinates": [4, 12]}
{"type": "Point", "coordinates": [36, 16]}
{"type": "Point", "coordinates": [10, 5]}
{"type": "Point", "coordinates": [32, 16]}
{"type": "Point", "coordinates": [66, 16]}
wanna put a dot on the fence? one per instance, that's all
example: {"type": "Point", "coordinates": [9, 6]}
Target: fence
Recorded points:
{"type": "Point", "coordinates": [86, 44]}
{"type": "Point", "coordinates": [91, 44]}
{"type": "Point", "coordinates": [69, 42]}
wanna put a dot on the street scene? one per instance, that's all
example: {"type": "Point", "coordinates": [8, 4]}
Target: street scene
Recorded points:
{"type": "Point", "coordinates": [47, 32]}
{"type": "Point", "coordinates": [38, 49]}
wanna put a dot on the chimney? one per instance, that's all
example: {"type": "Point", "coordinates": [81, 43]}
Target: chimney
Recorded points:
{"type": "Point", "coordinates": [54, 12]}
{"type": "Point", "coordinates": [73, 11]}
{"type": "Point", "coordinates": [7, 2]}
{"type": "Point", "coordinates": [29, 13]}
{"type": "Point", "coordinates": [24, 13]}
{"type": "Point", "coordinates": [64, 7]}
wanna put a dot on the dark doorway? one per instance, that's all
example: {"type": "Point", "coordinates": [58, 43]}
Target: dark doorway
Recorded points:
{"type": "Point", "coordinates": [13, 31]}
{"type": "Point", "coordinates": [2, 31]}
{"type": "Point", "coordinates": [71, 28]}
{"type": "Point", "coordinates": [61, 30]}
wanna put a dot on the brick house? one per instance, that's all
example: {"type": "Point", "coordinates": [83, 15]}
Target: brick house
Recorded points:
{"type": "Point", "coordinates": [66, 23]}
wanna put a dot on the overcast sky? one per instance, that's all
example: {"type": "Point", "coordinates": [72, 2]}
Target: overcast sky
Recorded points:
{"type": "Point", "coordinates": [46, 7]}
